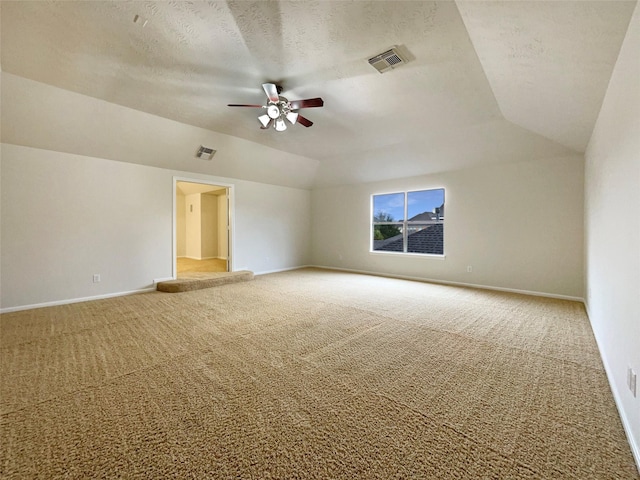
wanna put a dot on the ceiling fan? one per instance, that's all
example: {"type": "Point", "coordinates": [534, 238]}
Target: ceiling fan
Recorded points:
{"type": "Point", "coordinates": [278, 108]}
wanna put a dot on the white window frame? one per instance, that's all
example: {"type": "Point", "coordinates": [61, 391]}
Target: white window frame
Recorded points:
{"type": "Point", "coordinates": [404, 225]}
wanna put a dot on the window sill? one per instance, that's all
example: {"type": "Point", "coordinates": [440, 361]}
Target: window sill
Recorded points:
{"type": "Point", "coordinates": [413, 255]}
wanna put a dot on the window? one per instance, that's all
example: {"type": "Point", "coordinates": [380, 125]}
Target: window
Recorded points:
{"type": "Point", "coordinates": [408, 222]}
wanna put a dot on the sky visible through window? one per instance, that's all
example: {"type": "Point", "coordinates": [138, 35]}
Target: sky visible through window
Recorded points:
{"type": "Point", "coordinates": [418, 202]}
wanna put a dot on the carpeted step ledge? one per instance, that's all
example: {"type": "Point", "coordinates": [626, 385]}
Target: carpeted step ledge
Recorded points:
{"type": "Point", "coordinates": [198, 281]}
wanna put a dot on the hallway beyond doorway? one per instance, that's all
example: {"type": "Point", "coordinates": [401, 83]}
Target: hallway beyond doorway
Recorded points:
{"type": "Point", "coordinates": [189, 265]}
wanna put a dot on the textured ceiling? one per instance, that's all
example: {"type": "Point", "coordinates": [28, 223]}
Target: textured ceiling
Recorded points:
{"type": "Point", "coordinates": [485, 80]}
{"type": "Point", "coordinates": [548, 63]}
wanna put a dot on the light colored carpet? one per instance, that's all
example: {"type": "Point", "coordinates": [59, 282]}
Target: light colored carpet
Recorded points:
{"type": "Point", "coordinates": [308, 374]}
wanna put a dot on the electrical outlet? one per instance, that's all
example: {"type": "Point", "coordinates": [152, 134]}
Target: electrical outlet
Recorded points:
{"type": "Point", "coordinates": [96, 278]}
{"type": "Point", "coordinates": [469, 268]}
{"type": "Point", "coordinates": [631, 380]}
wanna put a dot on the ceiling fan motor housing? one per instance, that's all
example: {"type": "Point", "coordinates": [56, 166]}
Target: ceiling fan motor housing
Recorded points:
{"type": "Point", "coordinates": [279, 109]}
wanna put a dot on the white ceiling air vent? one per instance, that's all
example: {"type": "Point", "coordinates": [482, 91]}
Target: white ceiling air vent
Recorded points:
{"type": "Point", "coordinates": [387, 60]}
{"type": "Point", "coordinates": [205, 153]}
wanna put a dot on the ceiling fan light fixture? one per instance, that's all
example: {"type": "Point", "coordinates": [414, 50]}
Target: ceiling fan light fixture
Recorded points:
{"type": "Point", "coordinates": [278, 109]}
{"type": "Point", "coordinates": [273, 111]}
{"type": "Point", "coordinates": [280, 125]}
{"type": "Point", "coordinates": [264, 120]}
{"type": "Point", "coordinates": [292, 117]}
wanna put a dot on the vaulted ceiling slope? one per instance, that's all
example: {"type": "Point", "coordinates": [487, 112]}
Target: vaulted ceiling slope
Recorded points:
{"type": "Point", "coordinates": [486, 81]}
{"type": "Point", "coordinates": [548, 63]}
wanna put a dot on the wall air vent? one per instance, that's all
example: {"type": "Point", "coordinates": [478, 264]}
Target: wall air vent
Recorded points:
{"type": "Point", "coordinates": [387, 60]}
{"type": "Point", "coordinates": [205, 153]}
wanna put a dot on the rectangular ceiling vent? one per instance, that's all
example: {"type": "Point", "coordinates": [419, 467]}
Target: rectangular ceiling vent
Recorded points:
{"type": "Point", "coordinates": [205, 153]}
{"type": "Point", "coordinates": [387, 60]}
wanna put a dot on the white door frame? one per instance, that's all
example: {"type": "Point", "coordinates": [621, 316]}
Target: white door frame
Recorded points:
{"type": "Point", "coordinates": [231, 204]}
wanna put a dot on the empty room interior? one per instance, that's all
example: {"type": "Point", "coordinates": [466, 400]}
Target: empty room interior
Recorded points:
{"type": "Point", "coordinates": [320, 239]}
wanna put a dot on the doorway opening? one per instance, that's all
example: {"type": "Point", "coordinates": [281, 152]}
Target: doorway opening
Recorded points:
{"type": "Point", "coordinates": [201, 227]}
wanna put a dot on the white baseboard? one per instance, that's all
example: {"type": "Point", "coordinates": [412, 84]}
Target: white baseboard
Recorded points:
{"type": "Point", "coordinates": [266, 272]}
{"type": "Point", "coordinates": [158, 280]}
{"type": "Point", "coordinates": [75, 300]}
{"type": "Point", "coordinates": [626, 424]}
{"type": "Point", "coordinates": [456, 284]}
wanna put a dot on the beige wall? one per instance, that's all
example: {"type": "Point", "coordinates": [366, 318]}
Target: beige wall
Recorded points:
{"type": "Point", "coordinates": [51, 243]}
{"type": "Point", "coordinates": [518, 225]}
{"type": "Point", "coordinates": [223, 238]}
{"type": "Point", "coordinates": [209, 226]}
{"type": "Point", "coordinates": [612, 227]}
{"type": "Point", "coordinates": [193, 213]}
{"type": "Point", "coordinates": [201, 239]}
{"type": "Point", "coordinates": [67, 217]}
{"type": "Point", "coordinates": [181, 226]}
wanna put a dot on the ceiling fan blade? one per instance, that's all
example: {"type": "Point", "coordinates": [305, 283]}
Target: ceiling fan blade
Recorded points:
{"type": "Point", "coordinates": [272, 92]}
{"type": "Point", "coordinates": [308, 103]}
{"type": "Point", "coordinates": [240, 105]}
{"type": "Point", "coordinates": [304, 121]}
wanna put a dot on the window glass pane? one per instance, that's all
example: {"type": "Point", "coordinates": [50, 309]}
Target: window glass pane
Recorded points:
{"type": "Point", "coordinates": [388, 238]}
{"type": "Point", "coordinates": [426, 238]}
{"type": "Point", "coordinates": [388, 208]}
{"type": "Point", "coordinates": [421, 231]}
{"type": "Point", "coordinates": [425, 205]}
